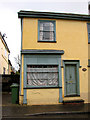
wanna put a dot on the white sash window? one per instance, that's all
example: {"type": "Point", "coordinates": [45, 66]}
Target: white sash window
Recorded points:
{"type": "Point", "coordinates": [46, 30]}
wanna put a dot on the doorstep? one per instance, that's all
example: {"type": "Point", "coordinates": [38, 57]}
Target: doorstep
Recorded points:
{"type": "Point", "coordinates": [72, 100]}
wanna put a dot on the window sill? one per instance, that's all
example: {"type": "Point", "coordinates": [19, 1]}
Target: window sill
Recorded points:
{"type": "Point", "coordinates": [41, 87]}
{"type": "Point", "coordinates": [72, 96]}
{"type": "Point", "coordinates": [47, 41]}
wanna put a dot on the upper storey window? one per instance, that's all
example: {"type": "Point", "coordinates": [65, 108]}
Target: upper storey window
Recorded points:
{"type": "Point", "coordinates": [46, 31]}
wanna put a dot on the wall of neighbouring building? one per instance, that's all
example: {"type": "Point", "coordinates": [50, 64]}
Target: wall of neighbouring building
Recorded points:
{"type": "Point", "coordinates": [3, 58]}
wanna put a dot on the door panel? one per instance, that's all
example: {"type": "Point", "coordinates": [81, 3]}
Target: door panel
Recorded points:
{"type": "Point", "coordinates": [70, 79]}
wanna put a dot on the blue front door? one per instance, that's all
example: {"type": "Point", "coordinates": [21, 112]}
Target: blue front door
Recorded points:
{"type": "Point", "coordinates": [71, 79]}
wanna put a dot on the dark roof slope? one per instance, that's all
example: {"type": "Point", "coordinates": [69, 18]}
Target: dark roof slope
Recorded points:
{"type": "Point", "coordinates": [3, 40]}
{"type": "Point", "coordinates": [53, 15]}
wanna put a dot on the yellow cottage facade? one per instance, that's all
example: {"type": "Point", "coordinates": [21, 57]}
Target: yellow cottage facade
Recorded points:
{"type": "Point", "coordinates": [54, 58]}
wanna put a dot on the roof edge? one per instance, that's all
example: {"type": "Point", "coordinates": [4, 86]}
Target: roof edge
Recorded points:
{"type": "Point", "coordinates": [4, 42]}
{"type": "Point", "coordinates": [53, 15]}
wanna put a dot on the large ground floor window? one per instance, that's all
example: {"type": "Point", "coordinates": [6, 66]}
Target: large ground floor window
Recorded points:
{"type": "Point", "coordinates": [42, 75]}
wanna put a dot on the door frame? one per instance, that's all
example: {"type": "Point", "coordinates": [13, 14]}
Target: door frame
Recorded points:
{"type": "Point", "coordinates": [77, 63]}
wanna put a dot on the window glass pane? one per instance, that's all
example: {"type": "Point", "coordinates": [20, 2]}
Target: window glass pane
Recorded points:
{"type": "Point", "coordinates": [51, 26]}
{"type": "Point", "coordinates": [42, 75]}
{"type": "Point", "coordinates": [46, 35]}
{"type": "Point", "coordinates": [41, 35]}
{"type": "Point", "coordinates": [51, 35]}
{"type": "Point", "coordinates": [46, 31]}
{"type": "Point", "coordinates": [48, 26]}
{"type": "Point", "coordinates": [41, 26]}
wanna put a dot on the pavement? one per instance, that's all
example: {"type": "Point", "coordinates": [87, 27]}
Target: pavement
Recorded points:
{"type": "Point", "coordinates": [10, 110]}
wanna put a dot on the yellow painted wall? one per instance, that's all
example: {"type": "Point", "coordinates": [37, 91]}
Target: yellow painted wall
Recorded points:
{"type": "Point", "coordinates": [72, 37]}
{"type": "Point", "coordinates": [42, 96]}
{"type": "Point", "coordinates": [67, 32]}
{"type": "Point", "coordinates": [3, 57]}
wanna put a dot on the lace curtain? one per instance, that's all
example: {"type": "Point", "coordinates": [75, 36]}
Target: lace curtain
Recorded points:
{"type": "Point", "coordinates": [42, 75]}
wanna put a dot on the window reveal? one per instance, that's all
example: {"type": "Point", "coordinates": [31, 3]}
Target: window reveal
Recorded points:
{"type": "Point", "coordinates": [42, 75]}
